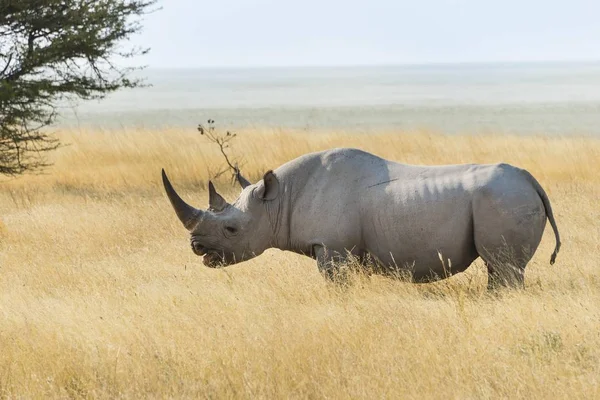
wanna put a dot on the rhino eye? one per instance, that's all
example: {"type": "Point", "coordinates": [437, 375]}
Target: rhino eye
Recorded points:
{"type": "Point", "coordinates": [231, 230]}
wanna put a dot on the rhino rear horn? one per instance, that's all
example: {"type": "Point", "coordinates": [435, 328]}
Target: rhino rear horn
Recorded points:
{"type": "Point", "coordinates": [187, 214]}
{"type": "Point", "coordinates": [244, 183]}
{"type": "Point", "coordinates": [215, 200]}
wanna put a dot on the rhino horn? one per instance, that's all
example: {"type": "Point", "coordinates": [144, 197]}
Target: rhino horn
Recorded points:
{"type": "Point", "coordinates": [215, 200]}
{"type": "Point", "coordinates": [187, 214]}
{"type": "Point", "coordinates": [244, 183]}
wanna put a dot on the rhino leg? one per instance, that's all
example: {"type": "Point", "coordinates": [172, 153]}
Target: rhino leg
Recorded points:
{"type": "Point", "coordinates": [506, 255]}
{"type": "Point", "coordinates": [329, 262]}
{"type": "Point", "coordinates": [508, 229]}
{"type": "Point", "coordinates": [505, 274]}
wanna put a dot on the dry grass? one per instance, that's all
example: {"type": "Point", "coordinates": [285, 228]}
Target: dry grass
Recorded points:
{"type": "Point", "coordinates": [101, 297]}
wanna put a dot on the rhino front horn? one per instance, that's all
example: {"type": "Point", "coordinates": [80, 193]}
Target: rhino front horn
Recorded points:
{"type": "Point", "coordinates": [187, 214]}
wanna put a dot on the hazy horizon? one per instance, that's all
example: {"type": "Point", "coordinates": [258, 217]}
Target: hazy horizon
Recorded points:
{"type": "Point", "coordinates": [376, 65]}
{"type": "Point", "coordinates": [517, 97]}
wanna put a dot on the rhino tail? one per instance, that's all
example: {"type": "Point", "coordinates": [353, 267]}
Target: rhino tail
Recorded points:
{"type": "Point", "coordinates": [549, 213]}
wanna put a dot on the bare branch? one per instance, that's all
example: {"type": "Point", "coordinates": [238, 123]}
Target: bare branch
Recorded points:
{"type": "Point", "coordinates": [222, 140]}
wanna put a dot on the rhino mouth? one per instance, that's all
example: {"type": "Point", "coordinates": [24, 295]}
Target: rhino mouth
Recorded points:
{"type": "Point", "coordinates": [212, 259]}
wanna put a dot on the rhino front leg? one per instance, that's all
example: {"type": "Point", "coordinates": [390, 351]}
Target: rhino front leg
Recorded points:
{"type": "Point", "coordinates": [329, 262]}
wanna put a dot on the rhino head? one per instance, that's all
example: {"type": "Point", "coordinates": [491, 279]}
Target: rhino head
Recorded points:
{"type": "Point", "coordinates": [226, 233]}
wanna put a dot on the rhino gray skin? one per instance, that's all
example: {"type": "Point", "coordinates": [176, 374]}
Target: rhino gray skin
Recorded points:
{"type": "Point", "coordinates": [406, 218]}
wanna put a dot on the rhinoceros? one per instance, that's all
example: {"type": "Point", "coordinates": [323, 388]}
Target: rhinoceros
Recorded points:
{"type": "Point", "coordinates": [427, 222]}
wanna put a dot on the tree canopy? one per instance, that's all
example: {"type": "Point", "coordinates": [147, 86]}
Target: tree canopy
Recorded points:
{"type": "Point", "coordinates": [53, 50]}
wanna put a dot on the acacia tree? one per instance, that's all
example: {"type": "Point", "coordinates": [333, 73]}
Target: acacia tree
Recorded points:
{"type": "Point", "coordinates": [55, 50]}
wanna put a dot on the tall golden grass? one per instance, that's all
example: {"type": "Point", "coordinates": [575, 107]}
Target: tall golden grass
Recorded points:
{"type": "Point", "coordinates": [101, 297]}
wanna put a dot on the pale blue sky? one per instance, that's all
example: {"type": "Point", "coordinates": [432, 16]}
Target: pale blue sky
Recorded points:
{"type": "Point", "coordinates": [198, 33]}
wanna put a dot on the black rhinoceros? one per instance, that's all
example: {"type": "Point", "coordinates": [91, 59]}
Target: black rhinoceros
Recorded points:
{"type": "Point", "coordinates": [332, 204]}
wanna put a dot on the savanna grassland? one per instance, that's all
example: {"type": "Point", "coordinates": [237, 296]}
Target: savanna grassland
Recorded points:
{"type": "Point", "coordinates": [101, 296]}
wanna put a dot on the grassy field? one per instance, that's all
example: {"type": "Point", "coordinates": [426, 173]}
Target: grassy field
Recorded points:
{"type": "Point", "coordinates": [101, 296]}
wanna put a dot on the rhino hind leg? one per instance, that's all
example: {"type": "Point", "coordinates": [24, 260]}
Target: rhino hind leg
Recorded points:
{"type": "Point", "coordinates": [506, 254]}
{"type": "Point", "coordinates": [507, 234]}
{"type": "Point", "coordinates": [507, 274]}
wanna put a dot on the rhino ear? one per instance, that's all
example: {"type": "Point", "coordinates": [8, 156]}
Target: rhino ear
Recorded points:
{"type": "Point", "coordinates": [215, 201]}
{"type": "Point", "coordinates": [244, 183]}
{"type": "Point", "coordinates": [269, 188]}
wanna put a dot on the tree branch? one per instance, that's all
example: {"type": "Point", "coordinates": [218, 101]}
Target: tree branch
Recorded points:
{"type": "Point", "coordinates": [57, 49]}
